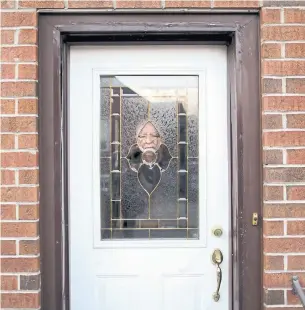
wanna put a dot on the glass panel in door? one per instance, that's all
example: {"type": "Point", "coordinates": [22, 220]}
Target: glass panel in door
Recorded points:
{"type": "Point", "coordinates": [149, 157]}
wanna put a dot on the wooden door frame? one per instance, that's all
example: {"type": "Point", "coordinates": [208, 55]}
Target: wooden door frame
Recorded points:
{"type": "Point", "coordinates": [240, 32]}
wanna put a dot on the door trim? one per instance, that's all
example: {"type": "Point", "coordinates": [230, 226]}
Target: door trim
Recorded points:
{"type": "Point", "coordinates": [240, 32]}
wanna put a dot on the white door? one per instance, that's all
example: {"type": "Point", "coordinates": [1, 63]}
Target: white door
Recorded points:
{"type": "Point", "coordinates": [148, 177]}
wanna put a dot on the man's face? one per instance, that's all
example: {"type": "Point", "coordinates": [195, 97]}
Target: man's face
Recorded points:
{"type": "Point", "coordinates": [149, 138]}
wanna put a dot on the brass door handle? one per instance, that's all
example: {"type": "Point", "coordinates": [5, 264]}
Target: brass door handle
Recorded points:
{"type": "Point", "coordinates": [217, 259]}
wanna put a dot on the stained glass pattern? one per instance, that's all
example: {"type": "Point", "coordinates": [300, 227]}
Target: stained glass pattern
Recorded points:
{"type": "Point", "coordinates": [149, 157]}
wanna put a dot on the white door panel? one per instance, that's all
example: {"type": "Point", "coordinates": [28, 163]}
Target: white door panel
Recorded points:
{"type": "Point", "coordinates": [143, 260]}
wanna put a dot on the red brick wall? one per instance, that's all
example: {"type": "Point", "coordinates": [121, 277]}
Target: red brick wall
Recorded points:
{"type": "Point", "coordinates": [283, 113]}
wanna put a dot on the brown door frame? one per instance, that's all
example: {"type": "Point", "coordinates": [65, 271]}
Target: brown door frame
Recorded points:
{"type": "Point", "coordinates": [240, 32]}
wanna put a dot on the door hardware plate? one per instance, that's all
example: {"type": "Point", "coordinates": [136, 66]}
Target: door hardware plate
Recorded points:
{"type": "Point", "coordinates": [217, 257]}
{"type": "Point", "coordinates": [254, 219]}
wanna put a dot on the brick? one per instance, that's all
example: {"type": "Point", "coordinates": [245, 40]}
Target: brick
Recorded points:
{"type": "Point", "coordinates": [280, 3]}
{"type": "Point", "coordinates": [7, 106]}
{"type": "Point", "coordinates": [31, 282]}
{"type": "Point", "coordinates": [27, 72]}
{"type": "Point", "coordinates": [295, 50]}
{"type": "Point", "coordinates": [7, 71]}
{"type": "Point", "coordinates": [284, 103]}
{"type": "Point", "coordinates": [19, 194]}
{"type": "Point", "coordinates": [7, 36]}
{"type": "Point", "coordinates": [272, 86]}
{"type": "Point", "coordinates": [27, 36]}
{"type": "Point", "coordinates": [7, 141]}
{"type": "Point", "coordinates": [28, 176]}
{"type": "Point", "coordinates": [284, 138]}
{"type": "Point", "coordinates": [280, 280]}
{"type": "Point", "coordinates": [18, 89]}
{"type": "Point", "coordinates": [296, 193]}
{"type": "Point", "coordinates": [19, 53]}
{"type": "Point", "coordinates": [18, 19]}
{"type": "Point", "coordinates": [9, 283]}
{"type": "Point", "coordinates": [27, 106]}
{"type": "Point", "coordinates": [7, 177]}
{"type": "Point", "coordinates": [296, 227]}
{"type": "Point", "coordinates": [75, 4]}
{"type": "Point", "coordinates": [28, 141]}
{"type": "Point", "coordinates": [7, 4]}
{"type": "Point", "coordinates": [8, 212]}
{"type": "Point", "coordinates": [273, 228]}
{"type": "Point", "coordinates": [284, 245]}
{"type": "Point", "coordinates": [28, 212]}
{"type": "Point", "coordinates": [271, 50]}
{"type": "Point", "coordinates": [283, 33]}
{"type": "Point", "coordinates": [296, 16]}
{"type": "Point", "coordinates": [29, 247]}
{"type": "Point", "coordinates": [236, 4]}
{"type": "Point", "coordinates": [272, 121]}
{"type": "Point", "coordinates": [22, 229]}
{"type": "Point", "coordinates": [296, 121]}
{"type": "Point", "coordinates": [19, 124]}
{"type": "Point", "coordinates": [22, 159]}
{"type": "Point", "coordinates": [288, 210]}
{"type": "Point", "coordinates": [295, 156]}
{"type": "Point", "coordinates": [20, 300]}
{"type": "Point", "coordinates": [273, 262]}
{"type": "Point", "coordinates": [42, 4]}
{"type": "Point", "coordinates": [272, 157]}
{"type": "Point", "coordinates": [296, 262]}
{"type": "Point", "coordinates": [270, 16]}
{"type": "Point", "coordinates": [293, 299]}
{"type": "Point", "coordinates": [273, 192]}
{"type": "Point", "coordinates": [295, 86]}
{"type": "Point", "coordinates": [291, 174]}
{"type": "Point", "coordinates": [274, 297]}
{"type": "Point", "coordinates": [19, 264]}
{"type": "Point", "coordinates": [283, 68]}
{"type": "Point", "coordinates": [8, 247]}
{"type": "Point", "coordinates": [187, 4]}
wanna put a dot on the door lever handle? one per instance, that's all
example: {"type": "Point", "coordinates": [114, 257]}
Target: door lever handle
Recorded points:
{"type": "Point", "coordinates": [217, 259]}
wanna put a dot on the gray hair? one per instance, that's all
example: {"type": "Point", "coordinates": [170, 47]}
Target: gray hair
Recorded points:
{"type": "Point", "coordinates": [142, 124]}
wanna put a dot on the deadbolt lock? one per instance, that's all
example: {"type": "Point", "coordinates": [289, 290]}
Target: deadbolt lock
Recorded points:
{"type": "Point", "coordinates": [217, 231]}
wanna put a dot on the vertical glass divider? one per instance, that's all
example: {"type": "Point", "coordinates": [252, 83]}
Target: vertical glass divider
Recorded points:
{"type": "Point", "coordinates": [120, 135]}
{"type": "Point", "coordinates": [110, 174]}
{"type": "Point", "coordinates": [187, 162]}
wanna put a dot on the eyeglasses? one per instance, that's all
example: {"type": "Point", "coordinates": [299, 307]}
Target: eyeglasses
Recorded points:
{"type": "Point", "coordinates": [151, 136]}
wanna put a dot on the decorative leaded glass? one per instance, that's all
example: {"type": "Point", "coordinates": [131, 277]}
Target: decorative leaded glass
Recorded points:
{"type": "Point", "coordinates": [149, 157]}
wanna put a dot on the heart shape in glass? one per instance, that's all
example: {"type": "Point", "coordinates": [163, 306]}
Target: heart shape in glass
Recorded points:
{"type": "Point", "coordinates": [149, 177]}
